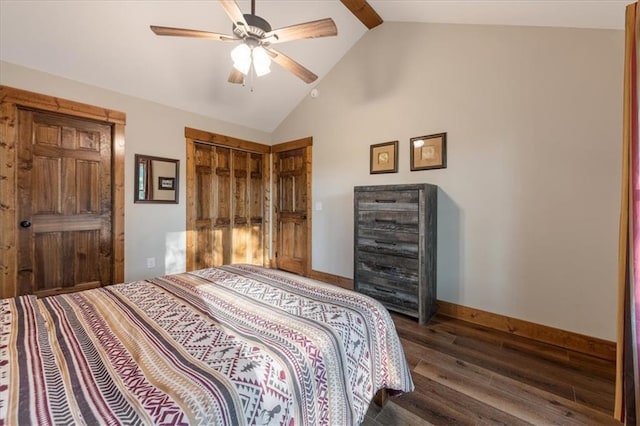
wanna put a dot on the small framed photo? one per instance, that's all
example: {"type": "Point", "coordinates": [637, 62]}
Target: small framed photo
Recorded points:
{"type": "Point", "coordinates": [384, 158]}
{"type": "Point", "coordinates": [429, 152]}
{"type": "Point", "coordinates": [166, 183]}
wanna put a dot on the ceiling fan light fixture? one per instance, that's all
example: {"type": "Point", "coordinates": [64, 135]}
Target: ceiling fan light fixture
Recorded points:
{"type": "Point", "coordinates": [257, 37]}
{"type": "Point", "coordinates": [261, 61]}
{"type": "Point", "coordinates": [241, 56]}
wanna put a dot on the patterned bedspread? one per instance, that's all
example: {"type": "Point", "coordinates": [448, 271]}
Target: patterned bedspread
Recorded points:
{"type": "Point", "coordinates": [229, 345]}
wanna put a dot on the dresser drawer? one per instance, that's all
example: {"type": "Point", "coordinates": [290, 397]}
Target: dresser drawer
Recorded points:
{"type": "Point", "coordinates": [384, 242]}
{"type": "Point", "coordinates": [392, 268]}
{"type": "Point", "coordinates": [394, 300]}
{"type": "Point", "coordinates": [407, 221]}
{"type": "Point", "coordinates": [388, 200]}
{"type": "Point", "coordinates": [386, 197]}
{"type": "Point", "coordinates": [401, 285]}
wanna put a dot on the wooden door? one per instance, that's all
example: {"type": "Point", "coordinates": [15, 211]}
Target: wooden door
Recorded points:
{"type": "Point", "coordinates": [64, 204]}
{"type": "Point", "coordinates": [292, 172]}
{"type": "Point", "coordinates": [212, 205]}
{"type": "Point", "coordinates": [239, 201]}
{"type": "Point", "coordinates": [248, 209]}
{"type": "Point", "coordinates": [228, 203]}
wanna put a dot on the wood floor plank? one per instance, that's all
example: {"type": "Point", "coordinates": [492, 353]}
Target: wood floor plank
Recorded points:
{"type": "Point", "coordinates": [470, 372]}
{"type": "Point", "coordinates": [592, 379]}
{"type": "Point", "coordinates": [540, 349]}
{"type": "Point", "coordinates": [568, 409]}
{"type": "Point", "coordinates": [593, 366]}
{"type": "Point", "coordinates": [539, 372]}
{"type": "Point", "coordinates": [599, 400]}
{"type": "Point", "coordinates": [534, 411]}
{"type": "Point", "coordinates": [460, 408]}
{"type": "Point", "coordinates": [457, 328]}
{"type": "Point", "coordinates": [432, 333]}
{"type": "Point", "coordinates": [584, 364]}
{"type": "Point", "coordinates": [412, 351]}
{"type": "Point", "coordinates": [467, 374]}
{"type": "Point", "coordinates": [393, 414]}
{"type": "Point", "coordinates": [488, 356]}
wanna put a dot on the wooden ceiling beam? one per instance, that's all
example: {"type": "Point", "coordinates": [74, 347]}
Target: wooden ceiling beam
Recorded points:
{"type": "Point", "coordinates": [364, 12]}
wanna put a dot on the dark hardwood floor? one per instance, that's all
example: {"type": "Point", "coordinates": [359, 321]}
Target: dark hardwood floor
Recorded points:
{"type": "Point", "coordinates": [471, 375]}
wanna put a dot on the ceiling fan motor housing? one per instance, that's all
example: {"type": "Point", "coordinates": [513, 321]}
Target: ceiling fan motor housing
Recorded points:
{"type": "Point", "coordinates": [256, 26]}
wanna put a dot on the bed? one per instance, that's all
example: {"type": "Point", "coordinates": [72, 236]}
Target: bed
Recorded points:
{"type": "Point", "coordinates": [231, 345]}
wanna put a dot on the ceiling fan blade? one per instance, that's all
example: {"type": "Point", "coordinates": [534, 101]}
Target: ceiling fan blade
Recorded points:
{"type": "Point", "coordinates": [364, 12]}
{"type": "Point", "coordinates": [234, 13]}
{"type": "Point", "coordinates": [183, 32]}
{"type": "Point", "coordinates": [292, 66]}
{"type": "Point", "coordinates": [235, 77]}
{"type": "Point", "coordinates": [320, 28]}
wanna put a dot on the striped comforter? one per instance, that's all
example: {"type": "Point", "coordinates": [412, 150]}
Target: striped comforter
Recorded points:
{"type": "Point", "coordinates": [230, 345]}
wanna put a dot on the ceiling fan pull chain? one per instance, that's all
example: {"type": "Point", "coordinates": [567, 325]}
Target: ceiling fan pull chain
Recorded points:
{"type": "Point", "coordinates": [251, 74]}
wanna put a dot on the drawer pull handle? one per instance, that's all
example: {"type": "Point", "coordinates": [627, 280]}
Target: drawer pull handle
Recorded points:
{"type": "Point", "coordinates": [385, 221]}
{"type": "Point", "coordinates": [384, 290]}
{"type": "Point", "coordinates": [391, 243]}
{"type": "Point", "coordinates": [385, 201]}
{"type": "Point", "coordinates": [386, 268]}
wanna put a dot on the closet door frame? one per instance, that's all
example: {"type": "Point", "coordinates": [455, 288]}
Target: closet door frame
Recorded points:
{"type": "Point", "coordinates": [193, 136]}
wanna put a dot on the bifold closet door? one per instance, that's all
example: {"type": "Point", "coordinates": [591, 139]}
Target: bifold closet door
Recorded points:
{"type": "Point", "coordinates": [229, 206]}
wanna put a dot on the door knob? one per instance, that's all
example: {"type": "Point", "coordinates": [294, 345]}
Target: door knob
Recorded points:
{"type": "Point", "coordinates": [25, 224]}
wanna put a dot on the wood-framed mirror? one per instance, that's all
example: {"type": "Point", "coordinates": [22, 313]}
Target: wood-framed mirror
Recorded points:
{"type": "Point", "coordinates": [156, 180]}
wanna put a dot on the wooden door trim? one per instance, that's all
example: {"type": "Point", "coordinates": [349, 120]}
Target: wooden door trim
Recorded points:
{"type": "Point", "coordinates": [10, 100]}
{"type": "Point", "coordinates": [290, 146]}
{"type": "Point", "coordinates": [42, 102]}
{"type": "Point", "coordinates": [201, 136]}
{"type": "Point", "coordinates": [226, 141]}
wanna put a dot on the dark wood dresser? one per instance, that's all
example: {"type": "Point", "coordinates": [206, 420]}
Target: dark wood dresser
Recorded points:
{"type": "Point", "coordinates": [395, 246]}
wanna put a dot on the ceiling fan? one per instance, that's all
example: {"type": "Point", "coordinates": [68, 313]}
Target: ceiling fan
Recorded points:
{"type": "Point", "coordinates": [255, 51]}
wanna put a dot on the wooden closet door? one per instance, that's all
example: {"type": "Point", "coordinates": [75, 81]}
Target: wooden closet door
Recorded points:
{"type": "Point", "coordinates": [229, 206]}
{"type": "Point", "coordinates": [64, 204]}
{"type": "Point", "coordinates": [256, 209]}
{"type": "Point", "coordinates": [240, 205]}
{"type": "Point", "coordinates": [212, 204]}
{"type": "Point", "coordinates": [247, 205]}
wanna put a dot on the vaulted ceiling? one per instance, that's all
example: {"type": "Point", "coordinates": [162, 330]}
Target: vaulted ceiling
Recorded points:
{"type": "Point", "coordinates": [109, 44]}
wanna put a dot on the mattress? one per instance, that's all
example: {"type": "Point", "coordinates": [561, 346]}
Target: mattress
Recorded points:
{"type": "Point", "coordinates": [231, 345]}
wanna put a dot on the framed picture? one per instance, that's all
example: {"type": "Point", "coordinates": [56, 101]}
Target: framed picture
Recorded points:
{"type": "Point", "coordinates": [429, 152]}
{"type": "Point", "coordinates": [166, 183]}
{"type": "Point", "coordinates": [384, 158]}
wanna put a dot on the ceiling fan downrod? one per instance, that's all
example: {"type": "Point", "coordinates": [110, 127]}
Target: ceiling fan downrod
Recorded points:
{"type": "Point", "coordinates": [256, 25]}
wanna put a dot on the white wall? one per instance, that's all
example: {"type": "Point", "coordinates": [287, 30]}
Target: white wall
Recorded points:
{"type": "Point", "coordinates": [151, 230]}
{"type": "Point", "coordinates": [529, 203]}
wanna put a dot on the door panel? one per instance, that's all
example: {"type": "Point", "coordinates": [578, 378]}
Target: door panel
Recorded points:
{"type": "Point", "coordinates": [64, 191]}
{"type": "Point", "coordinates": [256, 209]}
{"type": "Point", "coordinates": [292, 171]}
{"type": "Point", "coordinates": [209, 241]}
{"type": "Point", "coordinates": [240, 208]}
{"type": "Point", "coordinates": [228, 194]}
